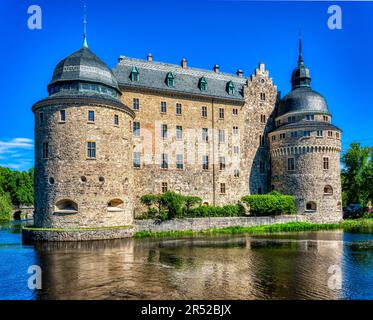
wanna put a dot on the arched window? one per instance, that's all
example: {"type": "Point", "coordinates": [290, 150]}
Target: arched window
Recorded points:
{"type": "Point", "coordinates": [170, 80]}
{"type": "Point", "coordinates": [135, 74]}
{"type": "Point", "coordinates": [205, 203]}
{"type": "Point", "coordinates": [339, 206]}
{"type": "Point", "coordinates": [230, 87]}
{"type": "Point", "coordinates": [115, 205]}
{"type": "Point", "coordinates": [311, 206]}
{"type": "Point", "coordinates": [328, 190]}
{"type": "Point", "coordinates": [203, 84]}
{"type": "Point", "coordinates": [66, 206]}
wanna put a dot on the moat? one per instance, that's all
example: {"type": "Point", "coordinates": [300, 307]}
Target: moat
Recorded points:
{"type": "Point", "coordinates": [283, 266]}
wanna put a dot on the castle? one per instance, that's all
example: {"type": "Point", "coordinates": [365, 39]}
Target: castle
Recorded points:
{"type": "Point", "coordinates": [104, 138]}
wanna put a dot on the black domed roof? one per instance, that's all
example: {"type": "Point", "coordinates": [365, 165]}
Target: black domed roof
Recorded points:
{"type": "Point", "coordinates": [302, 99]}
{"type": "Point", "coordinates": [83, 65]}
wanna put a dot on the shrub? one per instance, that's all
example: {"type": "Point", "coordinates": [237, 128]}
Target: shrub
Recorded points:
{"type": "Point", "coordinates": [231, 210]}
{"type": "Point", "coordinates": [270, 204]}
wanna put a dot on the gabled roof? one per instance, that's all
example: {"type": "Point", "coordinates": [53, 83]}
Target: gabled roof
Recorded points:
{"type": "Point", "coordinates": [152, 76]}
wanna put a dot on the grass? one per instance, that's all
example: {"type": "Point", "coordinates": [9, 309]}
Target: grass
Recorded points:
{"type": "Point", "coordinates": [75, 229]}
{"type": "Point", "coordinates": [347, 225]}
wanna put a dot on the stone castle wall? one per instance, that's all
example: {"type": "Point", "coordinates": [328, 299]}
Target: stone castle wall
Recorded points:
{"type": "Point", "coordinates": [72, 190]}
{"type": "Point", "coordinates": [242, 150]}
{"type": "Point", "coordinates": [308, 180]}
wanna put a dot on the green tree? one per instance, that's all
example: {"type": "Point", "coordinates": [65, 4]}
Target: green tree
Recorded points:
{"type": "Point", "coordinates": [357, 175]}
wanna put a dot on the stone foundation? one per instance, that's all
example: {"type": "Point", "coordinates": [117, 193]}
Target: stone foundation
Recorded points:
{"type": "Point", "coordinates": [32, 235]}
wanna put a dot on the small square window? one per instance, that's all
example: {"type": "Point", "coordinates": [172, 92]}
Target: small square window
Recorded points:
{"type": "Point", "coordinates": [235, 111]}
{"type": "Point", "coordinates": [164, 187]}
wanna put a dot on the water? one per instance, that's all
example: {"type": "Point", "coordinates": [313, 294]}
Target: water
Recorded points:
{"type": "Point", "coordinates": [286, 266]}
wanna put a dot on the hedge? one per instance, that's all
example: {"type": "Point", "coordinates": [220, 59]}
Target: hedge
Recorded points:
{"type": "Point", "coordinates": [270, 204]}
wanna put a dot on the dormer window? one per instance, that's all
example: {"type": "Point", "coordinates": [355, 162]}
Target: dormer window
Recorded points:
{"type": "Point", "coordinates": [135, 74]}
{"type": "Point", "coordinates": [170, 80]}
{"type": "Point", "coordinates": [230, 87]}
{"type": "Point", "coordinates": [203, 84]}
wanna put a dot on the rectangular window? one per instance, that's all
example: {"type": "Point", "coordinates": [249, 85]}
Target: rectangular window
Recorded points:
{"type": "Point", "coordinates": [236, 149]}
{"type": "Point", "coordinates": [282, 136]}
{"type": "Point", "coordinates": [330, 134]}
{"type": "Point", "coordinates": [164, 187]}
{"type": "Point", "coordinates": [164, 132]}
{"type": "Point", "coordinates": [45, 150]}
{"type": "Point", "coordinates": [178, 109]}
{"type": "Point", "coordinates": [294, 134]}
{"type": "Point", "coordinates": [221, 163]}
{"type": "Point", "coordinates": [91, 116]}
{"type": "Point", "coordinates": [235, 112]}
{"type": "Point", "coordinates": [41, 117]}
{"type": "Point", "coordinates": [319, 133]}
{"type": "Point", "coordinates": [116, 120]}
{"type": "Point", "coordinates": [278, 122]}
{"type": "Point", "coordinates": [163, 107]}
{"type": "Point", "coordinates": [205, 134]}
{"type": "Point", "coordinates": [326, 163]}
{"type": "Point", "coordinates": [291, 119]}
{"type": "Point", "coordinates": [235, 130]}
{"type": "Point", "coordinates": [263, 118]}
{"type": "Point", "coordinates": [91, 150]}
{"type": "Point", "coordinates": [291, 164]}
{"type": "Point", "coordinates": [221, 113]}
{"type": "Point", "coordinates": [221, 136]}
{"type": "Point", "coordinates": [204, 112]}
{"type": "Point", "coordinates": [136, 129]}
{"type": "Point", "coordinates": [179, 133]}
{"type": "Point", "coordinates": [337, 135]}
{"type": "Point", "coordinates": [222, 188]}
{"type": "Point", "coordinates": [261, 140]}
{"type": "Point", "coordinates": [205, 162]}
{"type": "Point", "coordinates": [262, 166]}
{"type": "Point", "coordinates": [310, 117]}
{"type": "Point", "coordinates": [326, 118]}
{"type": "Point", "coordinates": [136, 104]}
{"type": "Point", "coordinates": [62, 115]}
{"type": "Point", "coordinates": [179, 162]}
{"type": "Point", "coordinates": [236, 173]}
{"type": "Point", "coordinates": [136, 159]}
{"type": "Point", "coordinates": [164, 161]}
{"type": "Point", "coordinates": [306, 133]}
{"type": "Point", "coordinates": [273, 138]}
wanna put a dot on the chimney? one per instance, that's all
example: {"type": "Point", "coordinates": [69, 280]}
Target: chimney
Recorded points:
{"type": "Point", "coordinates": [216, 68]}
{"type": "Point", "coordinates": [120, 59]}
{"type": "Point", "coordinates": [149, 57]}
{"type": "Point", "coordinates": [183, 63]}
{"type": "Point", "coordinates": [239, 73]}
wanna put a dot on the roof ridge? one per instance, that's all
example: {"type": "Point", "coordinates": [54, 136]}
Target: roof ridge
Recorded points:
{"type": "Point", "coordinates": [180, 70]}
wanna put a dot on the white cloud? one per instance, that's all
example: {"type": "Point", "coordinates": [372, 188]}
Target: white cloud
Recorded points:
{"type": "Point", "coordinates": [16, 153]}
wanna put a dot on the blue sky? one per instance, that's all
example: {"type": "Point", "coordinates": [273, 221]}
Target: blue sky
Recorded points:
{"type": "Point", "coordinates": [233, 34]}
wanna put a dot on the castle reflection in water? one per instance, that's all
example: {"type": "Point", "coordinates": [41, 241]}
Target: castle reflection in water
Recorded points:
{"type": "Point", "coordinates": [280, 267]}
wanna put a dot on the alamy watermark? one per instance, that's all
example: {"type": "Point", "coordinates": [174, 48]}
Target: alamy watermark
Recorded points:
{"type": "Point", "coordinates": [34, 281]}
{"type": "Point", "coordinates": [34, 22]}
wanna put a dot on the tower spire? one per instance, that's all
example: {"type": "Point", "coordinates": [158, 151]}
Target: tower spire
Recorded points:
{"type": "Point", "coordinates": [300, 58]}
{"type": "Point", "coordinates": [85, 44]}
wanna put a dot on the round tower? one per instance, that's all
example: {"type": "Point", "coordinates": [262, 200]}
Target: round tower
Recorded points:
{"type": "Point", "coordinates": [305, 150]}
{"type": "Point", "coordinates": [83, 171]}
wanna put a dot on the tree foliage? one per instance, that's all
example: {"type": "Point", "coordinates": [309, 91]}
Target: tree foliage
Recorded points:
{"type": "Point", "coordinates": [357, 175]}
{"type": "Point", "coordinates": [18, 185]}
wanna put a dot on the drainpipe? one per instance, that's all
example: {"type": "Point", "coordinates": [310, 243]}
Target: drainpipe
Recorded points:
{"type": "Point", "coordinates": [213, 154]}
